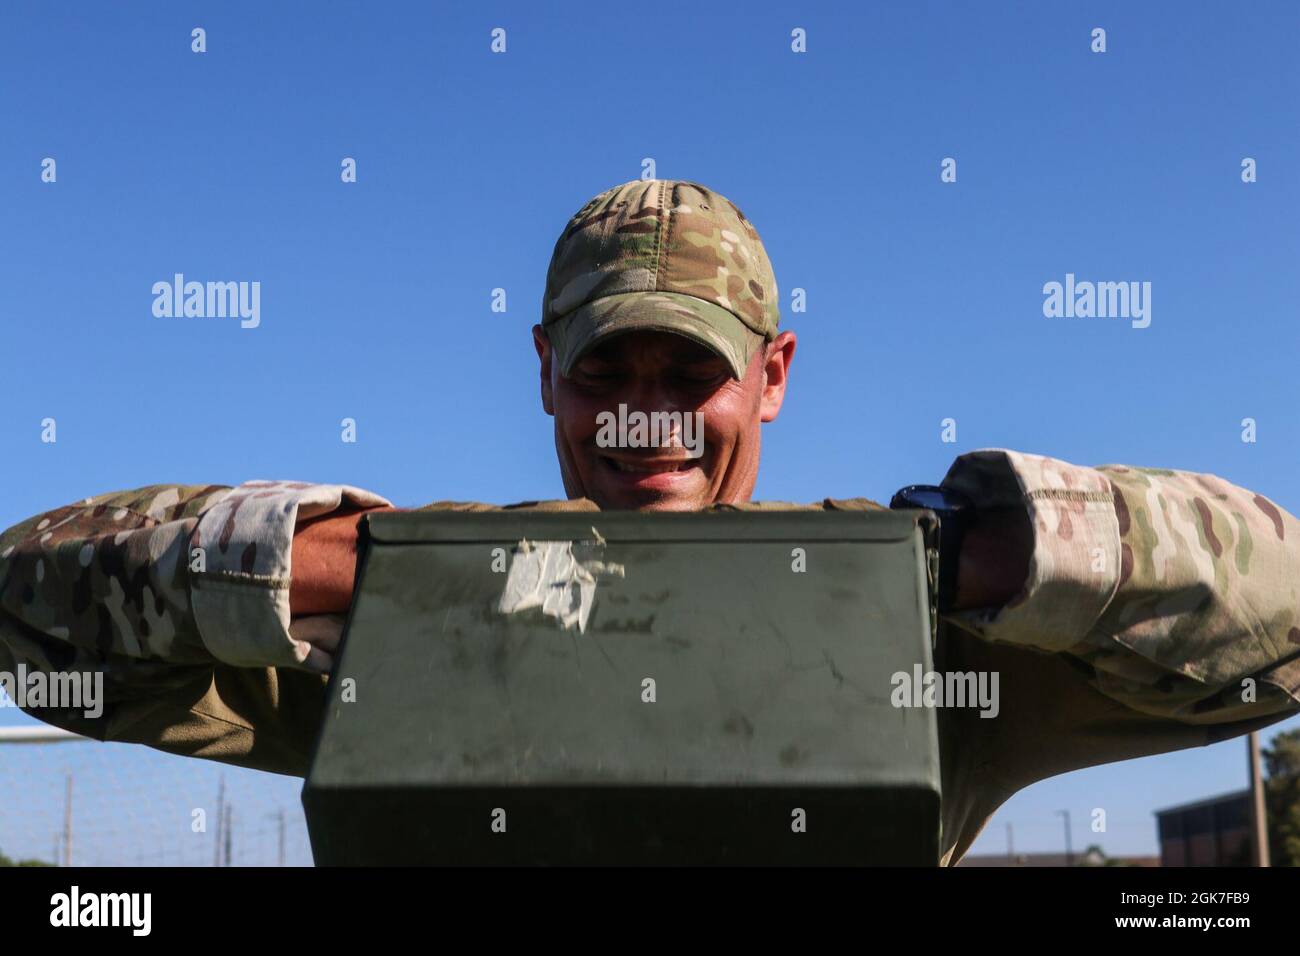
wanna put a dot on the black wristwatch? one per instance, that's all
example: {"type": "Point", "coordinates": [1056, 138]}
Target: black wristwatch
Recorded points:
{"type": "Point", "coordinates": [954, 511]}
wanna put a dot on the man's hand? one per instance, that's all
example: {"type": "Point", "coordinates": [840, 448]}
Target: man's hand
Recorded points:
{"type": "Point", "coordinates": [324, 563]}
{"type": "Point", "coordinates": [994, 560]}
{"type": "Point", "coordinates": [323, 633]}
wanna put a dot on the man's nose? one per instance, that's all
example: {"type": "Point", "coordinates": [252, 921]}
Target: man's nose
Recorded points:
{"type": "Point", "coordinates": [651, 395]}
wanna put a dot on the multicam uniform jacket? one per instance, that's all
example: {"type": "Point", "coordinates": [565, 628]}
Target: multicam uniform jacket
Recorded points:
{"type": "Point", "coordinates": [1160, 612]}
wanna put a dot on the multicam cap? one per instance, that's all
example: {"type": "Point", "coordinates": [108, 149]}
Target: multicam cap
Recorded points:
{"type": "Point", "coordinates": [664, 255]}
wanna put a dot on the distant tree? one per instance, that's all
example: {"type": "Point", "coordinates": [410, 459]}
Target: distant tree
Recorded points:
{"type": "Point", "coordinates": [1282, 798]}
{"type": "Point", "coordinates": [5, 861]}
{"type": "Point", "coordinates": [1093, 856]}
{"type": "Point", "coordinates": [1096, 856]}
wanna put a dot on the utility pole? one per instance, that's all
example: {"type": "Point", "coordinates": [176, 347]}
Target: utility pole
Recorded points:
{"type": "Point", "coordinates": [216, 842]}
{"type": "Point", "coordinates": [1069, 853]}
{"type": "Point", "coordinates": [226, 832]}
{"type": "Point", "coordinates": [1011, 845]}
{"type": "Point", "coordinates": [67, 824]}
{"type": "Point", "coordinates": [1258, 812]}
{"type": "Point", "coordinates": [280, 819]}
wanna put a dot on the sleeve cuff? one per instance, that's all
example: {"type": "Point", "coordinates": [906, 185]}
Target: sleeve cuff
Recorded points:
{"type": "Point", "coordinates": [240, 592]}
{"type": "Point", "coordinates": [1074, 570]}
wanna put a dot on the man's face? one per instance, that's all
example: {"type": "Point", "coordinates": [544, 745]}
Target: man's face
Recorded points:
{"type": "Point", "coordinates": [652, 372]}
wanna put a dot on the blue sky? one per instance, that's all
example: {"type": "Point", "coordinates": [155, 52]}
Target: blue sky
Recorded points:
{"type": "Point", "coordinates": [924, 298]}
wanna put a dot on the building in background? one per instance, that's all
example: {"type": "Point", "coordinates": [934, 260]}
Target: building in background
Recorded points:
{"type": "Point", "coordinates": [1210, 832]}
{"type": "Point", "coordinates": [1093, 856]}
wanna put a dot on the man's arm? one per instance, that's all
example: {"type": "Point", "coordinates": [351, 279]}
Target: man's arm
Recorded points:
{"type": "Point", "coordinates": [179, 596]}
{"type": "Point", "coordinates": [324, 561]}
{"type": "Point", "coordinates": [1178, 590]}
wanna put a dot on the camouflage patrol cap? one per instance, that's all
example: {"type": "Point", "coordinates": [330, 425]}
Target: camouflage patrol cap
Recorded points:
{"type": "Point", "coordinates": [661, 255]}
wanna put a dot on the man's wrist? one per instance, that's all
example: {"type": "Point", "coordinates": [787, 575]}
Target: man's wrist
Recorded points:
{"type": "Point", "coordinates": [993, 563]}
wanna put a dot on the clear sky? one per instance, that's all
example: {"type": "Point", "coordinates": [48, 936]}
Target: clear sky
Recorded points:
{"type": "Point", "coordinates": [924, 298]}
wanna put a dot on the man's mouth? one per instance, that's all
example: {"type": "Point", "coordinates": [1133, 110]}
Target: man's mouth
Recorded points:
{"type": "Point", "coordinates": [652, 474]}
{"type": "Point", "coordinates": [650, 467]}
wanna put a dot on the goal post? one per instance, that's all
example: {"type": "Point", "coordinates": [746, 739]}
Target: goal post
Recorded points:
{"type": "Point", "coordinates": [37, 735]}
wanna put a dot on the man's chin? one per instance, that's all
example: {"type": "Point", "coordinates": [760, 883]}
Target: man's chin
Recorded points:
{"type": "Point", "coordinates": [667, 504]}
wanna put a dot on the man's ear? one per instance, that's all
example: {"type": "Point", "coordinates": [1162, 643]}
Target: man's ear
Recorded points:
{"type": "Point", "coordinates": [776, 371]}
{"type": "Point", "coordinates": [543, 346]}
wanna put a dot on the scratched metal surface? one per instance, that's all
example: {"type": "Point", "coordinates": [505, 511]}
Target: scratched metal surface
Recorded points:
{"type": "Point", "coordinates": [763, 676]}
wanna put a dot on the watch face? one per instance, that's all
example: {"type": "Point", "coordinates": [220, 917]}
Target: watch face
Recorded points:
{"type": "Point", "coordinates": [922, 496]}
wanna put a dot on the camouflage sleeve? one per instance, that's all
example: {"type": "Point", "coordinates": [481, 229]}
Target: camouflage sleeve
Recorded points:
{"type": "Point", "coordinates": [172, 601]}
{"type": "Point", "coordinates": [181, 574]}
{"type": "Point", "coordinates": [240, 586]}
{"type": "Point", "coordinates": [1177, 590]}
{"type": "Point", "coordinates": [108, 574]}
{"type": "Point", "coordinates": [96, 592]}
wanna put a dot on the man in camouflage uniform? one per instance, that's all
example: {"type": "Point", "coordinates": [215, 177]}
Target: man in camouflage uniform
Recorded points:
{"type": "Point", "coordinates": [1127, 611]}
